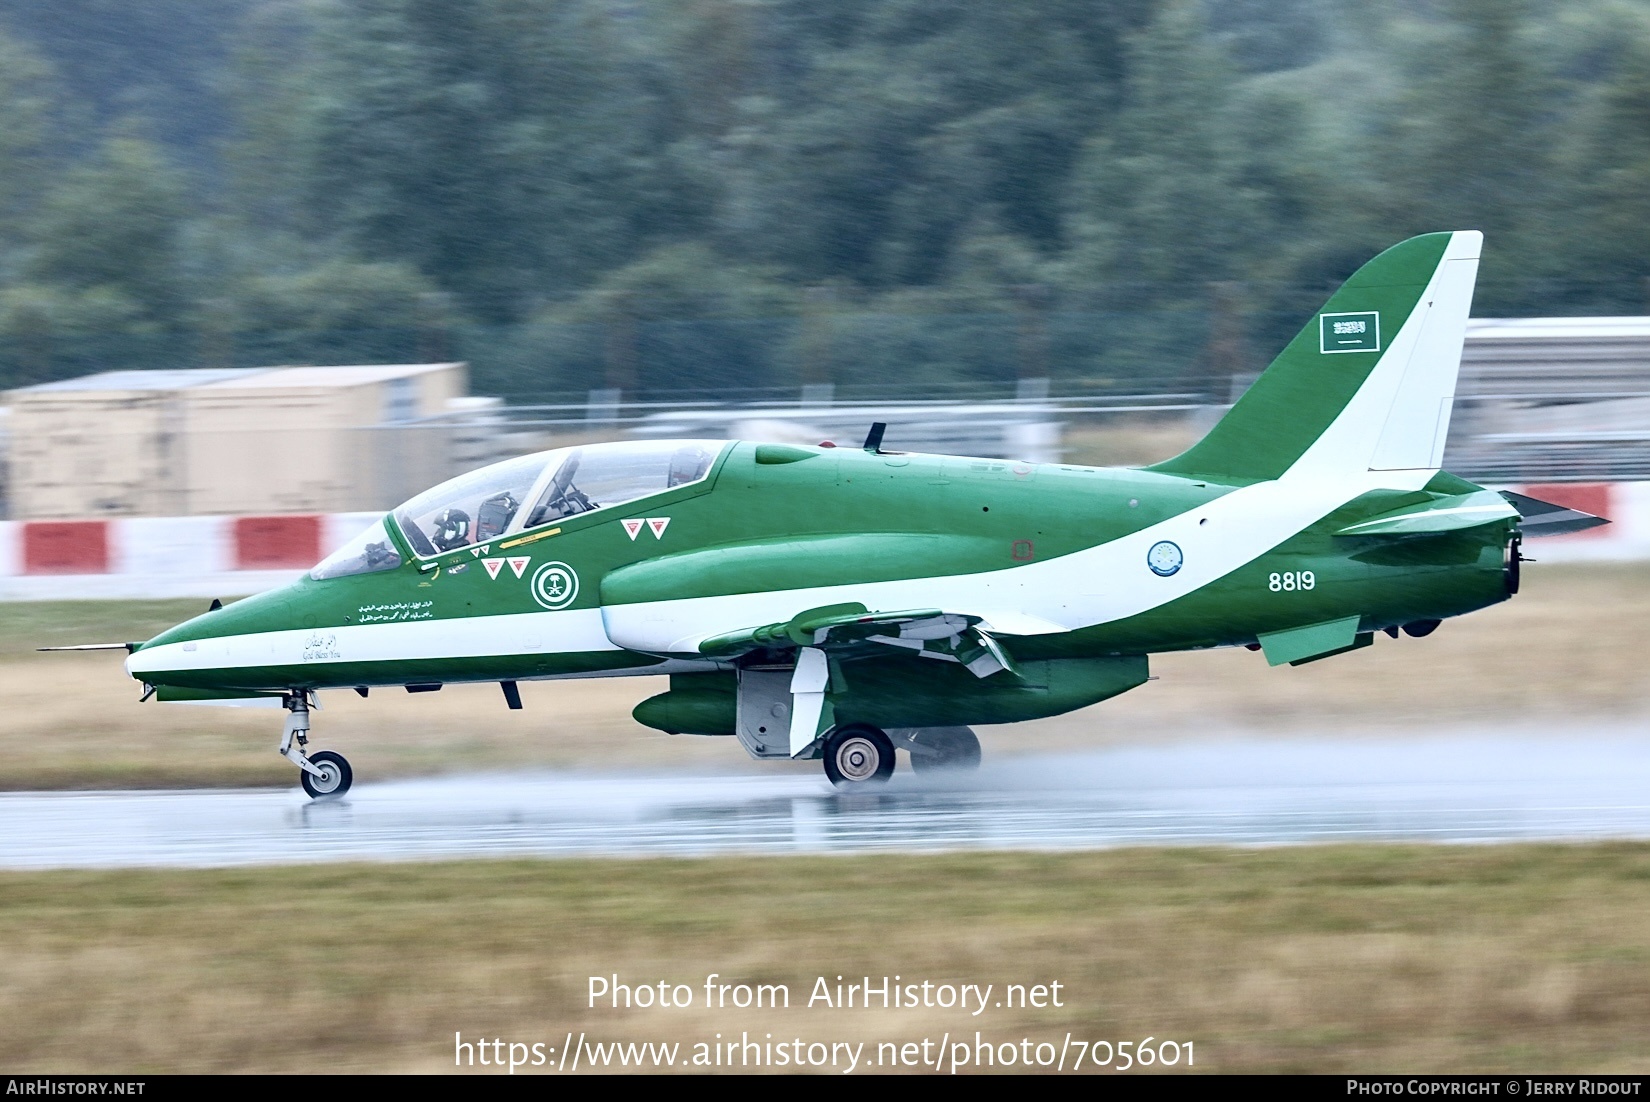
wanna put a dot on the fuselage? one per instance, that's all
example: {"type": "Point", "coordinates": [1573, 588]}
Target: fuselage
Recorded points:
{"type": "Point", "coordinates": [1059, 561]}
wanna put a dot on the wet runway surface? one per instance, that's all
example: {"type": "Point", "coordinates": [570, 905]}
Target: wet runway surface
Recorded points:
{"type": "Point", "coordinates": [1256, 792]}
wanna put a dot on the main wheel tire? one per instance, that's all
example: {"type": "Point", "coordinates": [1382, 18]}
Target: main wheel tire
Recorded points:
{"type": "Point", "coordinates": [954, 749]}
{"type": "Point", "coordinates": [1420, 629]}
{"type": "Point", "coordinates": [858, 754]}
{"type": "Point", "coordinates": [335, 777]}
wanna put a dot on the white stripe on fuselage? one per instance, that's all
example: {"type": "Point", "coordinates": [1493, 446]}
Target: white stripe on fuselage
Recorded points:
{"type": "Point", "coordinates": [573, 631]}
{"type": "Point", "coordinates": [1094, 586]}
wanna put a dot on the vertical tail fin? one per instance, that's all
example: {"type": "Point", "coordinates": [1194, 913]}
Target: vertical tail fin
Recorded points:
{"type": "Point", "coordinates": [1367, 385]}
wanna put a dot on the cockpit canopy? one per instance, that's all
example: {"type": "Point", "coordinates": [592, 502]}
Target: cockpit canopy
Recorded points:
{"type": "Point", "coordinates": [537, 489]}
{"type": "Point", "coordinates": [523, 493]}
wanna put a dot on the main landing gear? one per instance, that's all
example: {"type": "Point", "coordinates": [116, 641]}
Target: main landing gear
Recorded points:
{"type": "Point", "coordinates": [322, 774]}
{"type": "Point", "coordinates": [937, 749]}
{"type": "Point", "coordinates": [858, 755]}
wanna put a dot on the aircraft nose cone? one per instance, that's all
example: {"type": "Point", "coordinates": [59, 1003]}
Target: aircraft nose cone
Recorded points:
{"type": "Point", "coordinates": [204, 642]}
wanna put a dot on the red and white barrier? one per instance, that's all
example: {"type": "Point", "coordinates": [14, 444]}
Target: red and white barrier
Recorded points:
{"type": "Point", "coordinates": [137, 557]}
{"type": "Point", "coordinates": [153, 557]}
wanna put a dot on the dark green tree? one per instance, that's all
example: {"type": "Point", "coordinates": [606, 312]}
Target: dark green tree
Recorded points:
{"type": "Point", "coordinates": [26, 106]}
{"type": "Point", "coordinates": [1466, 143]}
{"type": "Point", "coordinates": [505, 148]}
{"type": "Point", "coordinates": [1607, 243]}
{"type": "Point", "coordinates": [1157, 197]}
{"type": "Point", "coordinates": [111, 228]}
{"type": "Point", "coordinates": [907, 120]}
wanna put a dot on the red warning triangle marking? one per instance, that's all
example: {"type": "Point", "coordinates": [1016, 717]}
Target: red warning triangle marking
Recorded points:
{"type": "Point", "coordinates": [632, 528]}
{"type": "Point", "coordinates": [477, 552]}
{"type": "Point", "coordinates": [493, 567]}
{"type": "Point", "coordinates": [658, 524]}
{"type": "Point", "coordinates": [519, 563]}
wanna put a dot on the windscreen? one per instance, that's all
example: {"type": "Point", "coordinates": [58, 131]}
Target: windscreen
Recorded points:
{"type": "Point", "coordinates": [549, 486]}
{"type": "Point", "coordinates": [472, 508]}
{"type": "Point", "coordinates": [367, 553]}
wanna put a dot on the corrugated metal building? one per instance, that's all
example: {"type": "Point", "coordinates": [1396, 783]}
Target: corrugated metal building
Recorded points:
{"type": "Point", "coordinates": [258, 440]}
{"type": "Point", "coordinates": [1553, 399]}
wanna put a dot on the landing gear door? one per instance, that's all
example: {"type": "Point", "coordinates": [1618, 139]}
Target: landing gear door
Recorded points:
{"type": "Point", "coordinates": [764, 711]}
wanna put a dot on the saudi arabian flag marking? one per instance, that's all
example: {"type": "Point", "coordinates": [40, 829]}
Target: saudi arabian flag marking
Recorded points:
{"type": "Point", "coordinates": [1349, 332]}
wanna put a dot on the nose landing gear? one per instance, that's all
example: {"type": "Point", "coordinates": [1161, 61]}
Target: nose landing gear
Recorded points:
{"type": "Point", "coordinates": [323, 774]}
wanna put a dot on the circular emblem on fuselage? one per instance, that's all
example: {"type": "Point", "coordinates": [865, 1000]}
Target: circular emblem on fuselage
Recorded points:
{"type": "Point", "coordinates": [1164, 558]}
{"type": "Point", "coordinates": [555, 585]}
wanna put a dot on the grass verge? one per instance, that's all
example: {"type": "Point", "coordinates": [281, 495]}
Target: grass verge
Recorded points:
{"type": "Point", "coordinates": [1326, 959]}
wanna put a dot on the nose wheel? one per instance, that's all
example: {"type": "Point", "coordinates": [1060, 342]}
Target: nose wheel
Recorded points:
{"type": "Point", "coordinates": [324, 773]}
{"type": "Point", "coordinates": [858, 755]}
{"type": "Point", "coordinates": [332, 778]}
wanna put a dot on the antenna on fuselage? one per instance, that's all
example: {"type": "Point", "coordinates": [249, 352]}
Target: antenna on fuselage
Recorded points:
{"type": "Point", "coordinates": [873, 439]}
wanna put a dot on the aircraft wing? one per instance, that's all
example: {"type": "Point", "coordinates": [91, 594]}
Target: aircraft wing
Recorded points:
{"type": "Point", "coordinates": [850, 631]}
{"type": "Point", "coordinates": [824, 636]}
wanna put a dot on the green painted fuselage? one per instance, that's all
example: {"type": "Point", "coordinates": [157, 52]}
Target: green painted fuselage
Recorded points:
{"type": "Point", "coordinates": [844, 518]}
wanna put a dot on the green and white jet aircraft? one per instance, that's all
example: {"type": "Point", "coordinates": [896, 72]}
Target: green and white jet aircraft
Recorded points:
{"type": "Point", "coordinates": [837, 603]}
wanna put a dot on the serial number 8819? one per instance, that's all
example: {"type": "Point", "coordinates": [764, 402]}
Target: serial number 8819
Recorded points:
{"type": "Point", "coordinates": [1291, 580]}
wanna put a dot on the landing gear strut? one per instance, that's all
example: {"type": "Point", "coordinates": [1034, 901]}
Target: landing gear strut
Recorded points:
{"type": "Point", "coordinates": [858, 755]}
{"type": "Point", "coordinates": [322, 774]}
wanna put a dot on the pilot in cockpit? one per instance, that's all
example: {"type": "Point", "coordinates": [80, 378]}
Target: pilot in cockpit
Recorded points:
{"type": "Point", "coordinates": [561, 498]}
{"type": "Point", "coordinates": [452, 529]}
{"type": "Point", "coordinates": [522, 493]}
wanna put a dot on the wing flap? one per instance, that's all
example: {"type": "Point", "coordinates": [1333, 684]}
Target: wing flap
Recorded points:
{"type": "Point", "coordinates": [839, 624]}
{"type": "Point", "coordinates": [849, 631]}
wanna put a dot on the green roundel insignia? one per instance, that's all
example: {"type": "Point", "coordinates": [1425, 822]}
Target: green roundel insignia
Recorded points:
{"type": "Point", "coordinates": [1349, 332]}
{"type": "Point", "coordinates": [1164, 558]}
{"type": "Point", "coordinates": [555, 585]}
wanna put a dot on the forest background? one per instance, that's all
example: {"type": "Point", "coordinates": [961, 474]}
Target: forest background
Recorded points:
{"type": "Point", "coordinates": [746, 196]}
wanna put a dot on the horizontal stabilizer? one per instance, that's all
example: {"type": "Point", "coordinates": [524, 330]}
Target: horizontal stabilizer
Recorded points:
{"type": "Point", "coordinates": [1543, 518]}
{"type": "Point", "coordinates": [1442, 514]}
